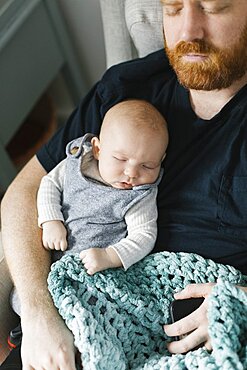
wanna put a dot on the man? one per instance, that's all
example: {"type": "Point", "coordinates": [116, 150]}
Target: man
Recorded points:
{"type": "Point", "coordinates": [202, 202]}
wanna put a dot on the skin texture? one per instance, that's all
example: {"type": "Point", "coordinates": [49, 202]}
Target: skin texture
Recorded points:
{"type": "Point", "coordinates": [207, 21]}
{"type": "Point", "coordinates": [22, 239]}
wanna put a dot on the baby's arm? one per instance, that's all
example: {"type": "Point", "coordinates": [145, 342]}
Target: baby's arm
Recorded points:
{"type": "Point", "coordinates": [50, 216]}
{"type": "Point", "coordinates": [141, 222]}
{"type": "Point", "coordinates": [99, 259]}
{"type": "Point", "coordinates": [54, 235]}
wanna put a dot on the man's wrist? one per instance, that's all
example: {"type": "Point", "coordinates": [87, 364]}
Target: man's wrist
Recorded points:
{"type": "Point", "coordinates": [37, 301]}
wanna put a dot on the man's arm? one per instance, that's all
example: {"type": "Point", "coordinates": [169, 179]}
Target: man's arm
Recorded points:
{"type": "Point", "coordinates": [47, 343]}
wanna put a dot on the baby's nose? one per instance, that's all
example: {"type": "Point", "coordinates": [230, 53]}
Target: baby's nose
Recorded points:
{"type": "Point", "coordinates": [131, 172]}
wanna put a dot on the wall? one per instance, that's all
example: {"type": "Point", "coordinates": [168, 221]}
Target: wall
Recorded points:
{"type": "Point", "coordinates": [83, 21]}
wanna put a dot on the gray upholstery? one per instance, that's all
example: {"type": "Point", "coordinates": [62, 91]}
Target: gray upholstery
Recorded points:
{"type": "Point", "coordinates": [131, 28]}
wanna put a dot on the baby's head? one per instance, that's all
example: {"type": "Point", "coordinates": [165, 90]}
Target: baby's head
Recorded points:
{"type": "Point", "coordinates": [132, 144]}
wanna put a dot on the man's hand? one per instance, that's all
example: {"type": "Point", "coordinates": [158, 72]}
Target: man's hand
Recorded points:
{"type": "Point", "coordinates": [54, 235]}
{"type": "Point", "coordinates": [194, 325]}
{"type": "Point", "coordinates": [99, 259]}
{"type": "Point", "coordinates": [47, 343]}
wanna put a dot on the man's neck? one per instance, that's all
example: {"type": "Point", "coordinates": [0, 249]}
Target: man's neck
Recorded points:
{"type": "Point", "coordinates": [206, 104]}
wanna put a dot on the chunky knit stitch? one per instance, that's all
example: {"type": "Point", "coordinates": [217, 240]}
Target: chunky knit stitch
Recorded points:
{"type": "Point", "coordinates": [117, 317]}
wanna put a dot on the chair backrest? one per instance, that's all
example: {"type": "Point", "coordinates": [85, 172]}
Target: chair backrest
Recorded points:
{"type": "Point", "coordinates": [131, 28]}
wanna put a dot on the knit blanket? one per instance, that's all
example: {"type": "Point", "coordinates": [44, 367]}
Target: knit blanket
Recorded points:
{"type": "Point", "coordinates": [117, 316]}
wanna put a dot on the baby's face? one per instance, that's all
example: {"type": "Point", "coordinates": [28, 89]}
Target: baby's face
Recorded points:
{"type": "Point", "coordinates": [128, 157]}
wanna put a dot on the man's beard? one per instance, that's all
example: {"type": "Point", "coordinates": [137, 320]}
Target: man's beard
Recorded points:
{"type": "Point", "coordinates": [219, 71]}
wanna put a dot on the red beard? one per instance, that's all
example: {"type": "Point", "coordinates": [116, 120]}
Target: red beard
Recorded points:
{"type": "Point", "coordinates": [220, 70]}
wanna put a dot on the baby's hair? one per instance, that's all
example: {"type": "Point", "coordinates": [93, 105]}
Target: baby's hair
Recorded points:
{"type": "Point", "coordinates": [142, 114]}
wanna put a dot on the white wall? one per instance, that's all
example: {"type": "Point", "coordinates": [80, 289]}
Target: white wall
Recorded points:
{"type": "Point", "coordinates": [83, 21]}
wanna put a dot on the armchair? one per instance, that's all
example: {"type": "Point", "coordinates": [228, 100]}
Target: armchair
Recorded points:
{"type": "Point", "coordinates": [132, 28]}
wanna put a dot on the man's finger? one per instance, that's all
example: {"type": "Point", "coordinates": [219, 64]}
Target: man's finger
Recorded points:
{"type": "Point", "coordinates": [194, 291]}
{"type": "Point", "coordinates": [189, 342]}
{"type": "Point", "coordinates": [188, 323]}
{"type": "Point", "coordinates": [67, 360]}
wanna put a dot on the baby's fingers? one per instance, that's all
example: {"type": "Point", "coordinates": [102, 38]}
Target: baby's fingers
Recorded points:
{"type": "Point", "coordinates": [63, 245]}
{"type": "Point", "coordinates": [83, 256]}
{"type": "Point", "coordinates": [48, 245]}
{"type": "Point", "coordinates": [58, 245]}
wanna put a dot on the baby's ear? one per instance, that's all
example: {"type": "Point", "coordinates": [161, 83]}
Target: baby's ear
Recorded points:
{"type": "Point", "coordinates": [95, 147]}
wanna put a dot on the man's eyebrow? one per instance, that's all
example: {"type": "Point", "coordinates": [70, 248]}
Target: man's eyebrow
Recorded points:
{"type": "Point", "coordinates": [170, 2]}
{"type": "Point", "coordinates": [216, 1]}
{"type": "Point", "coordinates": [177, 2]}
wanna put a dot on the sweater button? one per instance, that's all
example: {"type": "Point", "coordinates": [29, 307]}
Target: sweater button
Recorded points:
{"type": "Point", "coordinates": [74, 150]}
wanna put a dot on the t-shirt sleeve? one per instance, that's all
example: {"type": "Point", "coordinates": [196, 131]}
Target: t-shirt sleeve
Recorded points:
{"type": "Point", "coordinates": [85, 118]}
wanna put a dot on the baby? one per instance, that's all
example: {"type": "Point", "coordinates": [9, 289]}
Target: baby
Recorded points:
{"type": "Point", "coordinates": [101, 200]}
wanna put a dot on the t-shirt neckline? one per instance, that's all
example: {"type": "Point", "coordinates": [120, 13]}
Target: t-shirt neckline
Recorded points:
{"type": "Point", "coordinates": [231, 104]}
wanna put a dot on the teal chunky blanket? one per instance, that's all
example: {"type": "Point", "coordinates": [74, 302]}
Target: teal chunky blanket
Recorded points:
{"type": "Point", "coordinates": [117, 317]}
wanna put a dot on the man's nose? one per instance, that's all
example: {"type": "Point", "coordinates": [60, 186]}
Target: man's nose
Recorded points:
{"type": "Point", "coordinates": [192, 23]}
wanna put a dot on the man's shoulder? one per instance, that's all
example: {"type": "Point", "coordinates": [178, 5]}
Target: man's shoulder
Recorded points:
{"type": "Point", "coordinates": [137, 69]}
{"type": "Point", "coordinates": [139, 78]}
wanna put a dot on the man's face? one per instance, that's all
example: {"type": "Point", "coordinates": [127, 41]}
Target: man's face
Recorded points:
{"type": "Point", "coordinates": [206, 41]}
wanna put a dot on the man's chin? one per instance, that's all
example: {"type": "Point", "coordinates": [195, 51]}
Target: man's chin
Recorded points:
{"type": "Point", "coordinates": [206, 84]}
{"type": "Point", "coordinates": [205, 81]}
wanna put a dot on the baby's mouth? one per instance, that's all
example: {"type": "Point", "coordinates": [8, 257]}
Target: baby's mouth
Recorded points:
{"type": "Point", "coordinates": [124, 185]}
{"type": "Point", "coordinates": [127, 184]}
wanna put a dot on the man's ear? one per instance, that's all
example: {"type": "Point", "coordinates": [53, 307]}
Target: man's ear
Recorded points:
{"type": "Point", "coordinates": [95, 147]}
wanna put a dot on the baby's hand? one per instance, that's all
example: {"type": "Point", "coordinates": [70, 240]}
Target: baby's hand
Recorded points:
{"type": "Point", "coordinates": [99, 259]}
{"type": "Point", "coordinates": [54, 235]}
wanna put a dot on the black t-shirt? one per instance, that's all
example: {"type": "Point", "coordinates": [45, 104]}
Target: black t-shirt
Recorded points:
{"type": "Point", "coordinates": [202, 199]}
